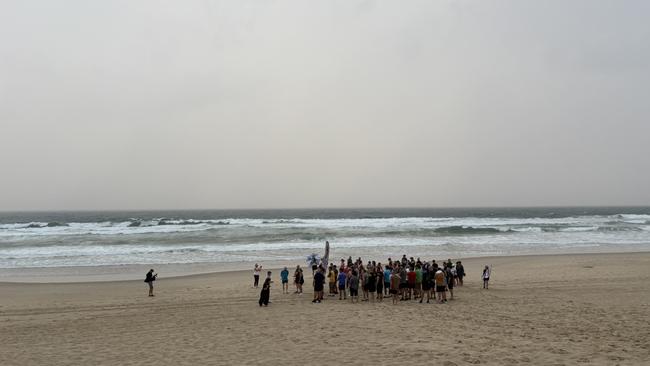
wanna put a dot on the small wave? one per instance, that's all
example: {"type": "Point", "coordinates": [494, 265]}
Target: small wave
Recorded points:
{"type": "Point", "coordinates": [529, 229]}
{"type": "Point", "coordinates": [281, 221]}
{"type": "Point", "coordinates": [579, 229]}
{"type": "Point", "coordinates": [619, 228]}
{"type": "Point", "coordinates": [469, 230]}
{"type": "Point", "coordinates": [35, 225]}
{"type": "Point", "coordinates": [163, 222]}
{"type": "Point", "coordinates": [183, 250]}
{"type": "Point", "coordinates": [179, 222]}
{"type": "Point", "coordinates": [632, 216]}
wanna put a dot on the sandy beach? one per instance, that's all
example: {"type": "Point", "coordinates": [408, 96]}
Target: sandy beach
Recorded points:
{"type": "Point", "coordinates": [540, 310]}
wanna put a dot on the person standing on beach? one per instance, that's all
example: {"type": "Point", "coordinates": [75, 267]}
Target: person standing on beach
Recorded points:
{"type": "Point", "coordinates": [256, 275]}
{"type": "Point", "coordinates": [299, 279]}
{"type": "Point", "coordinates": [353, 284]}
{"type": "Point", "coordinates": [486, 277]}
{"type": "Point", "coordinates": [411, 278]}
{"type": "Point", "coordinates": [371, 284]}
{"type": "Point", "coordinates": [441, 288]}
{"type": "Point", "coordinates": [149, 278]}
{"type": "Point", "coordinates": [331, 281]}
{"type": "Point", "coordinates": [284, 276]}
{"type": "Point", "coordinates": [418, 280]}
{"type": "Point", "coordinates": [387, 272]}
{"type": "Point", "coordinates": [426, 282]}
{"type": "Point", "coordinates": [395, 282]}
{"type": "Point", "coordinates": [265, 294]}
{"type": "Point", "coordinates": [342, 279]}
{"type": "Point", "coordinates": [319, 282]}
{"type": "Point", "coordinates": [362, 282]}
{"type": "Point", "coordinates": [450, 281]}
{"type": "Point", "coordinates": [379, 278]}
{"type": "Point", "coordinates": [403, 281]}
{"type": "Point", "coordinates": [460, 272]}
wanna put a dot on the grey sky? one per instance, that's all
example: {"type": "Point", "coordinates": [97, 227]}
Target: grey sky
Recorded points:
{"type": "Point", "coordinates": [225, 104]}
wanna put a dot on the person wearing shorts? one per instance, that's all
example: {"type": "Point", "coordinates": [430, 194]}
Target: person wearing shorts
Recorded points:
{"type": "Point", "coordinates": [486, 277]}
{"type": "Point", "coordinates": [418, 281]}
{"type": "Point", "coordinates": [387, 280]}
{"type": "Point", "coordinates": [439, 279]}
{"type": "Point", "coordinates": [460, 272]}
{"type": "Point", "coordinates": [299, 279]}
{"type": "Point", "coordinates": [331, 280]}
{"type": "Point", "coordinates": [284, 276]}
{"type": "Point", "coordinates": [395, 282]}
{"type": "Point", "coordinates": [256, 275]}
{"type": "Point", "coordinates": [149, 278]}
{"type": "Point", "coordinates": [353, 285]}
{"type": "Point", "coordinates": [412, 277]}
{"type": "Point", "coordinates": [342, 280]}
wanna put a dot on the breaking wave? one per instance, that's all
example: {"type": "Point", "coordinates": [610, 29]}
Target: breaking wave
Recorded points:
{"type": "Point", "coordinates": [75, 239]}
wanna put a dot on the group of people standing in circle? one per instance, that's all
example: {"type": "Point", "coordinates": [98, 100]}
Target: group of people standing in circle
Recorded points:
{"type": "Point", "coordinates": [403, 280]}
{"type": "Point", "coordinates": [407, 279]}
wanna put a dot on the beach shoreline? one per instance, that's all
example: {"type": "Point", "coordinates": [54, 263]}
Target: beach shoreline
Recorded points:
{"type": "Point", "coordinates": [130, 272]}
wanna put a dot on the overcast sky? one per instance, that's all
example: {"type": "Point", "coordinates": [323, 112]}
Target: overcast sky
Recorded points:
{"type": "Point", "coordinates": [260, 104]}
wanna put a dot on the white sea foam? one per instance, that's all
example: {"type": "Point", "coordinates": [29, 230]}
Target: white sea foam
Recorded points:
{"type": "Point", "coordinates": [173, 240]}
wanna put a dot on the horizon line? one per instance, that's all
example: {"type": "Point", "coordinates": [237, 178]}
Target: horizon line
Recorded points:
{"type": "Point", "coordinates": [326, 208]}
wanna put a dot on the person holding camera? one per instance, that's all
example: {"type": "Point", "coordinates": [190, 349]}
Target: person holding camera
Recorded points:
{"type": "Point", "coordinates": [149, 280]}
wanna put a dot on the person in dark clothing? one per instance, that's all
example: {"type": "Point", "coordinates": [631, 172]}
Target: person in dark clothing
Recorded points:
{"type": "Point", "coordinates": [265, 294]}
{"type": "Point", "coordinates": [149, 280]}
{"type": "Point", "coordinates": [460, 272]}
{"type": "Point", "coordinates": [319, 281]}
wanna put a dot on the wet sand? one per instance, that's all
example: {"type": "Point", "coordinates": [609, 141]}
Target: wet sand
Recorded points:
{"type": "Point", "coordinates": [540, 310]}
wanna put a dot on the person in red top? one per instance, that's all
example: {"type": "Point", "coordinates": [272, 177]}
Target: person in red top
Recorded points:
{"type": "Point", "coordinates": [411, 281]}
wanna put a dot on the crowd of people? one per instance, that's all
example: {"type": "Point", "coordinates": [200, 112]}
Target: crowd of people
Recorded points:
{"type": "Point", "coordinates": [407, 279]}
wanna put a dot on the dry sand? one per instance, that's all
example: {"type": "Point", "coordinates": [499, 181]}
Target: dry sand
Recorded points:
{"type": "Point", "coordinates": [540, 310]}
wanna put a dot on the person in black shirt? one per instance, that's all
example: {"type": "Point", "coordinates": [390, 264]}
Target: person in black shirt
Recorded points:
{"type": "Point", "coordinates": [319, 281]}
{"type": "Point", "coordinates": [265, 294]}
{"type": "Point", "coordinates": [149, 279]}
{"type": "Point", "coordinates": [460, 272]}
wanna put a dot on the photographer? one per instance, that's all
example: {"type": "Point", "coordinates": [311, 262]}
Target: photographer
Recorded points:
{"type": "Point", "coordinates": [149, 279]}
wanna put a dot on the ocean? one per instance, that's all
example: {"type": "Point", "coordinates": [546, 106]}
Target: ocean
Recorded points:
{"type": "Point", "coordinates": [71, 239]}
